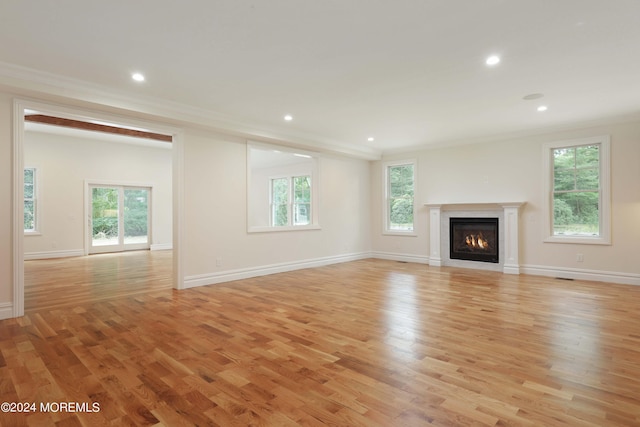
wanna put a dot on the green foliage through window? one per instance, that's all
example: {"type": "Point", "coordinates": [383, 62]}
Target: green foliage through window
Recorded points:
{"type": "Point", "coordinates": [136, 212]}
{"type": "Point", "coordinates": [105, 212]}
{"type": "Point", "coordinates": [291, 201]}
{"type": "Point", "coordinates": [280, 202]}
{"type": "Point", "coordinates": [29, 199]}
{"type": "Point", "coordinates": [400, 197]}
{"type": "Point", "coordinates": [576, 190]}
{"type": "Point", "coordinates": [301, 200]}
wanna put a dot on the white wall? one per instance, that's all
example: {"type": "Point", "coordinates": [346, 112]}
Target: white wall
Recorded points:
{"type": "Point", "coordinates": [216, 242]}
{"type": "Point", "coordinates": [512, 171]}
{"type": "Point", "coordinates": [63, 165]}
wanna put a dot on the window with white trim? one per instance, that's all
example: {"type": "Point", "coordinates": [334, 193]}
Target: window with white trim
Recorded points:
{"type": "Point", "coordinates": [290, 201]}
{"type": "Point", "coordinates": [282, 189]}
{"type": "Point", "coordinates": [399, 208]}
{"type": "Point", "coordinates": [578, 204]}
{"type": "Point", "coordinates": [30, 201]}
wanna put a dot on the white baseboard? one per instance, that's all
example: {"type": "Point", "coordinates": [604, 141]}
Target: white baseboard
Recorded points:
{"type": "Point", "coordinates": [418, 259]}
{"type": "Point", "coordinates": [580, 274]}
{"type": "Point", "coordinates": [53, 254]}
{"type": "Point", "coordinates": [6, 310]}
{"type": "Point", "coordinates": [434, 261]}
{"type": "Point", "coordinates": [246, 273]}
{"type": "Point", "coordinates": [536, 270]}
{"type": "Point", "coordinates": [161, 247]}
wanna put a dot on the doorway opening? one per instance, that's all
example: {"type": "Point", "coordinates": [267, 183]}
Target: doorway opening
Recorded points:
{"type": "Point", "coordinates": [132, 234]}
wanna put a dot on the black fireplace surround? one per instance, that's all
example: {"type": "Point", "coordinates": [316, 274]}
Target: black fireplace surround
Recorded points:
{"type": "Point", "coordinates": [474, 239]}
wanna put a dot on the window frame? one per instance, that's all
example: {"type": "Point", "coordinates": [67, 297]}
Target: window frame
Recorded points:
{"type": "Point", "coordinates": [262, 204]}
{"type": "Point", "coordinates": [604, 190]}
{"type": "Point", "coordinates": [36, 231]}
{"type": "Point", "coordinates": [386, 205]}
{"type": "Point", "coordinates": [291, 204]}
{"type": "Point", "coordinates": [295, 205]}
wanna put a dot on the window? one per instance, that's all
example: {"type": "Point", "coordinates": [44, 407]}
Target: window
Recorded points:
{"type": "Point", "coordinates": [291, 201]}
{"type": "Point", "coordinates": [301, 200]}
{"type": "Point", "coordinates": [578, 202]}
{"type": "Point", "coordinates": [399, 196]}
{"type": "Point", "coordinates": [30, 201]}
{"type": "Point", "coordinates": [282, 189]}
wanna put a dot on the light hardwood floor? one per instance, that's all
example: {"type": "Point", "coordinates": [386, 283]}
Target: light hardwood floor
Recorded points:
{"type": "Point", "coordinates": [61, 282]}
{"type": "Point", "coordinates": [366, 343]}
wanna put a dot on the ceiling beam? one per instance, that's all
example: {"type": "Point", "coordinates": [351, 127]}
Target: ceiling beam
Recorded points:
{"type": "Point", "coordinates": [78, 124]}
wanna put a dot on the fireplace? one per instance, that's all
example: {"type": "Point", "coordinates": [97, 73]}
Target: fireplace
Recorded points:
{"type": "Point", "coordinates": [508, 214]}
{"type": "Point", "coordinates": [474, 239]}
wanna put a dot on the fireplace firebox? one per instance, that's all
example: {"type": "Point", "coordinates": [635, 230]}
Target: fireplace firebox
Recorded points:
{"type": "Point", "coordinates": [474, 239]}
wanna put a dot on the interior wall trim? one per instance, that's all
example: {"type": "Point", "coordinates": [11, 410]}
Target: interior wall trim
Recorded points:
{"type": "Point", "coordinates": [391, 256]}
{"type": "Point", "coordinates": [53, 254]}
{"type": "Point", "coordinates": [80, 113]}
{"type": "Point", "coordinates": [6, 310]}
{"type": "Point", "coordinates": [247, 273]}
{"type": "Point", "coordinates": [582, 274]}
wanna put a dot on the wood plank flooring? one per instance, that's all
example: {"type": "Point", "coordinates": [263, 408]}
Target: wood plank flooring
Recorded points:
{"type": "Point", "coordinates": [365, 343]}
{"type": "Point", "coordinates": [60, 282]}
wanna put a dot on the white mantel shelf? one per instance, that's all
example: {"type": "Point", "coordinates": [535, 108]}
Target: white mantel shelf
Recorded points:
{"type": "Point", "coordinates": [510, 227]}
{"type": "Point", "coordinates": [477, 205]}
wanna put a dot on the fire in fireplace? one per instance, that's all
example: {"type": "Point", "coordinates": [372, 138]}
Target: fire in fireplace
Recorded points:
{"type": "Point", "coordinates": [473, 239]}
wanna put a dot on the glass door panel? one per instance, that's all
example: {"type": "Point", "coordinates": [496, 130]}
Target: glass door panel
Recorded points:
{"type": "Point", "coordinates": [105, 224]}
{"type": "Point", "coordinates": [120, 218]}
{"type": "Point", "coordinates": [136, 216]}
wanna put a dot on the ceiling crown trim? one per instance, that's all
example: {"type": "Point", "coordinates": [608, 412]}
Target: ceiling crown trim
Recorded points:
{"type": "Point", "coordinates": [31, 80]}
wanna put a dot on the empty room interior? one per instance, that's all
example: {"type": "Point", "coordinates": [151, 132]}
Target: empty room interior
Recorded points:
{"type": "Point", "coordinates": [303, 213]}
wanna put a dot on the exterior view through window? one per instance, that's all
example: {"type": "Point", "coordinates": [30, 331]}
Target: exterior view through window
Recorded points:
{"type": "Point", "coordinates": [30, 200]}
{"type": "Point", "coordinates": [576, 191]}
{"type": "Point", "coordinates": [400, 195]}
{"type": "Point", "coordinates": [291, 201]}
{"type": "Point", "coordinates": [119, 218]}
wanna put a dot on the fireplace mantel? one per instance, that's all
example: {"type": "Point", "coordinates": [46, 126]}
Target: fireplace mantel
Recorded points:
{"type": "Point", "coordinates": [509, 229]}
{"type": "Point", "coordinates": [474, 205]}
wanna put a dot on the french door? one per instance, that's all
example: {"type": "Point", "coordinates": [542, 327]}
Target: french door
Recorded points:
{"type": "Point", "coordinates": [119, 218]}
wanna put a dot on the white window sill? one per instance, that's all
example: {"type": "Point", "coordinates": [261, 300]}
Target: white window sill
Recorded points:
{"type": "Point", "coordinates": [32, 233]}
{"type": "Point", "coordinates": [284, 228]}
{"type": "Point", "coordinates": [400, 233]}
{"type": "Point", "coordinates": [579, 240]}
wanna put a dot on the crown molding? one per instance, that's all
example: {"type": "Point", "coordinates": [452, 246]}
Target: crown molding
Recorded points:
{"type": "Point", "coordinates": [37, 83]}
{"type": "Point", "coordinates": [539, 132]}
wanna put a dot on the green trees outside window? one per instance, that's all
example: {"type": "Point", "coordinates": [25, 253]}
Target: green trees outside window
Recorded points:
{"type": "Point", "coordinates": [400, 197]}
{"type": "Point", "coordinates": [576, 190]}
{"type": "Point", "coordinates": [30, 199]}
{"type": "Point", "coordinates": [280, 202]}
{"type": "Point", "coordinates": [301, 200]}
{"type": "Point", "coordinates": [106, 211]}
{"type": "Point", "coordinates": [291, 201]}
{"type": "Point", "coordinates": [136, 212]}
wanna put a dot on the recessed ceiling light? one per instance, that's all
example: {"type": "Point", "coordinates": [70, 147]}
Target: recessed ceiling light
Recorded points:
{"type": "Point", "coordinates": [137, 77]}
{"type": "Point", "coordinates": [492, 60]}
{"type": "Point", "coordinates": [532, 96]}
{"type": "Point", "coordinates": [542, 108]}
{"type": "Point", "coordinates": [288, 117]}
{"type": "Point", "coordinates": [370, 139]}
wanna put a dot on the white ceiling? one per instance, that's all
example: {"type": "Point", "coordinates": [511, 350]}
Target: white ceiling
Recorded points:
{"type": "Point", "coordinates": [409, 73]}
